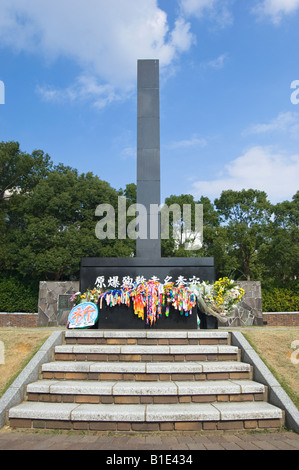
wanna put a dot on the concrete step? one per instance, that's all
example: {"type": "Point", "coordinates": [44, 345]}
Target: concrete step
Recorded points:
{"type": "Point", "coordinates": [149, 380]}
{"type": "Point", "coordinates": [145, 392]}
{"type": "Point", "coordinates": [146, 353]}
{"type": "Point", "coordinates": [146, 417]}
{"type": "Point", "coordinates": [149, 337]}
{"type": "Point", "coordinates": [90, 370]}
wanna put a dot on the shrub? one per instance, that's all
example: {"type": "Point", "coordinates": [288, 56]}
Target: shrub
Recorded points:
{"type": "Point", "coordinates": [281, 299]}
{"type": "Point", "coordinates": [18, 295]}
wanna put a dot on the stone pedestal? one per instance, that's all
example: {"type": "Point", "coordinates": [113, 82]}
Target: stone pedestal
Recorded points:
{"type": "Point", "coordinates": [53, 302]}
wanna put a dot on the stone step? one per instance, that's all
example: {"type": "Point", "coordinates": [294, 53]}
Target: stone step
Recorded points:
{"type": "Point", "coordinates": [146, 371]}
{"type": "Point", "coordinates": [146, 381]}
{"type": "Point", "coordinates": [146, 353]}
{"type": "Point", "coordinates": [146, 417]}
{"type": "Point", "coordinates": [71, 391]}
{"type": "Point", "coordinates": [154, 337]}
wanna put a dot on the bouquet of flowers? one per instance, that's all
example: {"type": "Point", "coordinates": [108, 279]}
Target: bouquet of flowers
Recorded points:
{"type": "Point", "coordinates": [218, 299]}
{"type": "Point", "coordinates": [91, 295]}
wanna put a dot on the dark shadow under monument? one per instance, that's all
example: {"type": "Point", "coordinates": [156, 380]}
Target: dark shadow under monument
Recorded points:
{"type": "Point", "coordinates": [148, 261]}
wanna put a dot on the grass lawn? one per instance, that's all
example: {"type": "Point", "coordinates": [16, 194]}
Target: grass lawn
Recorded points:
{"type": "Point", "coordinates": [274, 347]}
{"type": "Point", "coordinates": [20, 345]}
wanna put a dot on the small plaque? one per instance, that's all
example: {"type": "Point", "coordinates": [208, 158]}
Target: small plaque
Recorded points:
{"type": "Point", "coordinates": [64, 302]}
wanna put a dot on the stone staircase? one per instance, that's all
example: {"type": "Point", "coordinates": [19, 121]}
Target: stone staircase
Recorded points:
{"type": "Point", "coordinates": [146, 380]}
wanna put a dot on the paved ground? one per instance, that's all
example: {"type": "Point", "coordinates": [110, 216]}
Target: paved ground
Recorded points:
{"type": "Point", "coordinates": [18, 440]}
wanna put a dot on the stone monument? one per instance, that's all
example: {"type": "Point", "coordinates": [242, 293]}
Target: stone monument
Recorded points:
{"type": "Point", "coordinates": [148, 261]}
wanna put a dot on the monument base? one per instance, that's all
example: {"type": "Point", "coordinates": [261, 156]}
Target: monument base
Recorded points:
{"type": "Point", "coordinates": [123, 318]}
{"type": "Point", "coordinates": [207, 322]}
{"type": "Point", "coordinates": [109, 274]}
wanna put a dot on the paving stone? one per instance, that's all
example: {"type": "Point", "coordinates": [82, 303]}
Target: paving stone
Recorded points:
{"type": "Point", "coordinates": [249, 386]}
{"type": "Point", "coordinates": [44, 411]}
{"type": "Point", "coordinates": [72, 387]}
{"type": "Point", "coordinates": [196, 349]}
{"type": "Point", "coordinates": [67, 366]}
{"type": "Point", "coordinates": [216, 387]}
{"type": "Point", "coordinates": [175, 367]}
{"type": "Point", "coordinates": [225, 366]}
{"type": "Point", "coordinates": [84, 334]}
{"type": "Point", "coordinates": [145, 388]}
{"type": "Point", "coordinates": [250, 410]}
{"type": "Point", "coordinates": [16, 440]}
{"type": "Point", "coordinates": [208, 334]}
{"type": "Point", "coordinates": [184, 412]}
{"type": "Point", "coordinates": [129, 367]}
{"type": "Point", "coordinates": [140, 349]}
{"type": "Point", "coordinates": [109, 413]}
{"type": "Point", "coordinates": [167, 334]}
{"type": "Point", "coordinates": [125, 333]}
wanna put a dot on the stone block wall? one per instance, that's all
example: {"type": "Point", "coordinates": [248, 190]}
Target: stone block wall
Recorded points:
{"type": "Point", "coordinates": [51, 311]}
{"type": "Point", "coordinates": [249, 311]}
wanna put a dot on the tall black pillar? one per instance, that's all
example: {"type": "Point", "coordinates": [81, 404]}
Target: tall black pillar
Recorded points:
{"type": "Point", "coordinates": [148, 261]}
{"type": "Point", "coordinates": [148, 155]}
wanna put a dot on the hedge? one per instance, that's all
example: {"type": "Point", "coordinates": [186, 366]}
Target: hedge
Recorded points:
{"type": "Point", "coordinates": [280, 299]}
{"type": "Point", "coordinates": [18, 295]}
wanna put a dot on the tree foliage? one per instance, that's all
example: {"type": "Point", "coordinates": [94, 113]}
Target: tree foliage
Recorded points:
{"type": "Point", "coordinates": [246, 216]}
{"type": "Point", "coordinates": [48, 222]}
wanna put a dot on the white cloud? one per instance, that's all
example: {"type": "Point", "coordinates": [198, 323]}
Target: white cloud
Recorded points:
{"type": "Point", "coordinates": [217, 63]}
{"type": "Point", "coordinates": [128, 153]}
{"type": "Point", "coordinates": [197, 7]}
{"type": "Point", "coordinates": [194, 141]}
{"type": "Point", "coordinates": [259, 168]}
{"type": "Point", "coordinates": [287, 122]}
{"type": "Point", "coordinates": [217, 10]}
{"type": "Point", "coordinates": [276, 9]}
{"type": "Point", "coordinates": [84, 88]}
{"type": "Point", "coordinates": [105, 38]}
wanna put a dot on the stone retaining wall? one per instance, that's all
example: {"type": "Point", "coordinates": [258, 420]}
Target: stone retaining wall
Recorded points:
{"type": "Point", "coordinates": [20, 320]}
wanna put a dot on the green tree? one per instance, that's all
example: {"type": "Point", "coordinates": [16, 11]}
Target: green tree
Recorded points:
{"type": "Point", "coordinates": [177, 237]}
{"type": "Point", "coordinates": [281, 255]}
{"type": "Point", "coordinates": [60, 223]}
{"type": "Point", "coordinates": [20, 172]}
{"type": "Point", "coordinates": [245, 215]}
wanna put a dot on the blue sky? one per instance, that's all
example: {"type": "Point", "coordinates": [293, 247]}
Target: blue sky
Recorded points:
{"type": "Point", "coordinates": [226, 67]}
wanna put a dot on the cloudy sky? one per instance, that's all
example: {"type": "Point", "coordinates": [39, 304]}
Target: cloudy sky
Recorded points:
{"type": "Point", "coordinates": [229, 88]}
